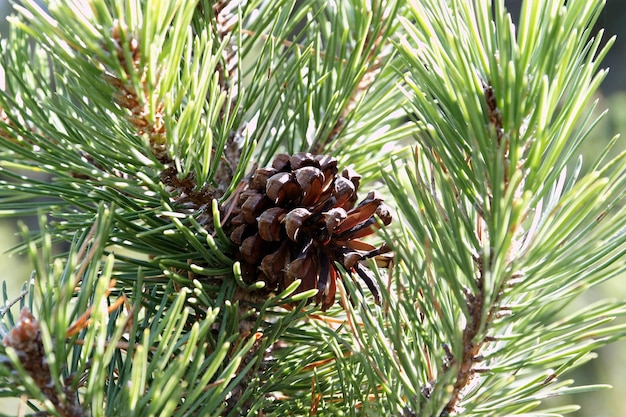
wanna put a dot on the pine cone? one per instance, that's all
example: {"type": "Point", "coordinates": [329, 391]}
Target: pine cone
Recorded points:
{"type": "Point", "coordinates": [295, 219]}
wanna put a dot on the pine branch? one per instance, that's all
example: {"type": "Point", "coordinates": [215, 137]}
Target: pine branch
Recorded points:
{"type": "Point", "coordinates": [225, 23]}
{"type": "Point", "coordinates": [375, 55]}
{"type": "Point", "coordinates": [497, 149]}
{"type": "Point", "coordinates": [28, 350]}
{"type": "Point", "coordinates": [215, 268]}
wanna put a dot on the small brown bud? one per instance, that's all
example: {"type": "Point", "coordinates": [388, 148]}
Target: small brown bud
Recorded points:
{"type": "Point", "coordinates": [25, 334]}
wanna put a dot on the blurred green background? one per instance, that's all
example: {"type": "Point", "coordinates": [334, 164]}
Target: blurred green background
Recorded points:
{"type": "Point", "coordinates": [609, 367]}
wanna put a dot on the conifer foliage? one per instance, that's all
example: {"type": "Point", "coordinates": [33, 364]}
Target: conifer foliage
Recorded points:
{"type": "Point", "coordinates": [205, 247]}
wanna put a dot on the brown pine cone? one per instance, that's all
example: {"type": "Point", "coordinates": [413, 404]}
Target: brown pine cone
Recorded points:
{"type": "Point", "coordinates": [295, 219]}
